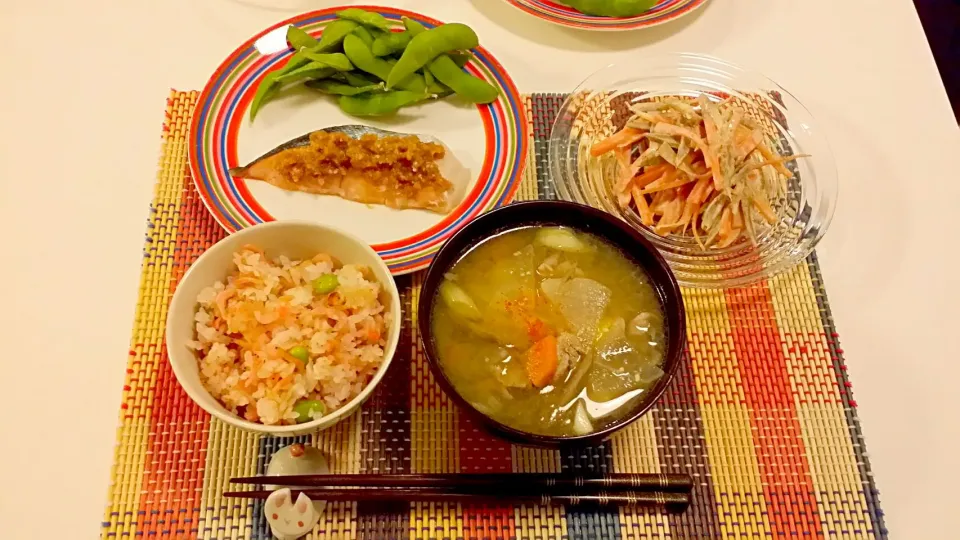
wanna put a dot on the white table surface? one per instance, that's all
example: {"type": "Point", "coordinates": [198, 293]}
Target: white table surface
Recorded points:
{"type": "Point", "coordinates": [81, 104]}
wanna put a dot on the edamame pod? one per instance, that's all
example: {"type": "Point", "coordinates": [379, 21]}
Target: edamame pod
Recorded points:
{"type": "Point", "coordinates": [334, 33]}
{"type": "Point", "coordinates": [337, 61]}
{"type": "Point", "coordinates": [611, 8]}
{"type": "Point", "coordinates": [338, 88]}
{"type": "Point", "coordinates": [356, 78]}
{"type": "Point", "coordinates": [267, 89]}
{"type": "Point", "coordinates": [313, 70]}
{"type": "Point", "coordinates": [298, 38]}
{"type": "Point", "coordinates": [379, 104]}
{"type": "Point", "coordinates": [364, 60]}
{"type": "Point", "coordinates": [427, 46]}
{"type": "Point", "coordinates": [364, 17]}
{"type": "Point", "coordinates": [465, 85]}
{"type": "Point", "coordinates": [365, 36]}
{"type": "Point", "coordinates": [390, 43]}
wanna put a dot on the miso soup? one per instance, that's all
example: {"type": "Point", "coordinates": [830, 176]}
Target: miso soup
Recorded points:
{"type": "Point", "coordinates": [549, 330]}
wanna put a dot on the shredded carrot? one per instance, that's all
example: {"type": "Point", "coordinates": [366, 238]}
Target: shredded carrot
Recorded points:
{"type": "Point", "coordinates": [542, 361]}
{"type": "Point", "coordinates": [646, 215]}
{"type": "Point", "coordinates": [624, 137]}
{"type": "Point", "coordinates": [708, 158]}
{"type": "Point", "coordinates": [765, 210]}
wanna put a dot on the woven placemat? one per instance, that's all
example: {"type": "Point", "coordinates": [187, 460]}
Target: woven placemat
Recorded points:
{"type": "Point", "coordinates": [760, 414]}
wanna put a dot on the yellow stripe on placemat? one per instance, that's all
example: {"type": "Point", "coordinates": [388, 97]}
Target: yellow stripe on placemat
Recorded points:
{"type": "Point", "coordinates": [433, 437]}
{"type": "Point", "coordinates": [147, 340]}
{"type": "Point", "coordinates": [230, 453]}
{"type": "Point", "coordinates": [535, 521]}
{"type": "Point", "coordinates": [736, 479]}
{"type": "Point", "coordinates": [823, 423]}
{"type": "Point", "coordinates": [341, 445]}
{"type": "Point", "coordinates": [635, 451]}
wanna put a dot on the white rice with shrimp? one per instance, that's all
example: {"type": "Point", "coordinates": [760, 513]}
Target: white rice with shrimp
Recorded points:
{"type": "Point", "coordinates": [272, 338]}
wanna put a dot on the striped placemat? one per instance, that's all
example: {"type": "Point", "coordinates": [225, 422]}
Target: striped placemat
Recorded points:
{"type": "Point", "coordinates": [761, 415]}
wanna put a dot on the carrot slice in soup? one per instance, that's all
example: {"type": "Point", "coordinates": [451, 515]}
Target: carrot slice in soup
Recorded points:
{"type": "Point", "coordinates": [542, 361]}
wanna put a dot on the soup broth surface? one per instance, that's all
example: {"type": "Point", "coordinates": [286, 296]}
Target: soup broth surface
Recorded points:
{"type": "Point", "coordinates": [549, 330]}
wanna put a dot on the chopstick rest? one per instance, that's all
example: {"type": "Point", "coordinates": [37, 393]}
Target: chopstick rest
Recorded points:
{"type": "Point", "coordinates": [290, 520]}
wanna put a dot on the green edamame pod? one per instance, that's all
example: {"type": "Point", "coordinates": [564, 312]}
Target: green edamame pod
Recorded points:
{"type": "Point", "coordinates": [337, 61]}
{"type": "Point", "coordinates": [611, 8]}
{"type": "Point", "coordinates": [337, 88]}
{"type": "Point", "coordinates": [364, 17]}
{"type": "Point", "coordinates": [267, 89]}
{"type": "Point", "coordinates": [390, 42]}
{"type": "Point", "coordinates": [298, 38]}
{"type": "Point", "coordinates": [364, 60]}
{"type": "Point", "coordinates": [334, 33]}
{"type": "Point", "coordinates": [465, 85]}
{"type": "Point", "coordinates": [434, 87]}
{"type": "Point", "coordinates": [412, 26]}
{"type": "Point", "coordinates": [427, 46]}
{"type": "Point", "coordinates": [379, 104]}
{"type": "Point", "coordinates": [365, 36]}
{"type": "Point", "coordinates": [461, 58]}
{"type": "Point", "coordinates": [313, 70]}
{"type": "Point", "coordinates": [356, 78]}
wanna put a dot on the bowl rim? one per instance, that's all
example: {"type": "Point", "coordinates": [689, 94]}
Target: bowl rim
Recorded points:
{"type": "Point", "coordinates": [320, 423]}
{"type": "Point", "coordinates": [668, 290]}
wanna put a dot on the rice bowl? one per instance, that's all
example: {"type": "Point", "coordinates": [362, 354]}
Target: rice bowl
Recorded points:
{"type": "Point", "coordinates": [252, 338]}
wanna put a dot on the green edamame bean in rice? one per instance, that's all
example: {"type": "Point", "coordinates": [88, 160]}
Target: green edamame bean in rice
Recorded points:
{"type": "Point", "coordinates": [306, 409]}
{"type": "Point", "coordinates": [427, 46]}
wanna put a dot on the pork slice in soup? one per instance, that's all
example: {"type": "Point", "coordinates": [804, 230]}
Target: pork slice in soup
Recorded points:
{"type": "Point", "coordinates": [549, 330]}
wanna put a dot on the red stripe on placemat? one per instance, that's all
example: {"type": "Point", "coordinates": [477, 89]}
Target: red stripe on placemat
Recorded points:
{"type": "Point", "coordinates": [170, 502]}
{"type": "Point", "coordinates": [481, 452]}
{"type": "Point", "coordinates": [784, 470]}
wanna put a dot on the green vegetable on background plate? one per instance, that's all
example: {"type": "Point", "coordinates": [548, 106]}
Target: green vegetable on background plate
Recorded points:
{"type": "Point", "coordinates": [611, 8]}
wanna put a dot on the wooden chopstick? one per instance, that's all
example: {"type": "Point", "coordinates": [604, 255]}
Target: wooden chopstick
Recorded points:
{"type": "Point", "coordinates": [673, 502]}
{"type": "Point", "coordinates": [539, 482]}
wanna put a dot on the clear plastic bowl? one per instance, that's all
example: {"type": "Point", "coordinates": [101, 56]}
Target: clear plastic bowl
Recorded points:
{"type": "Point", "coordinates": [598, 108]}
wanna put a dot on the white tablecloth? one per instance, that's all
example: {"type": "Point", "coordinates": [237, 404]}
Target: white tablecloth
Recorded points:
{"type": "Point", "coordinates": [82, 99]}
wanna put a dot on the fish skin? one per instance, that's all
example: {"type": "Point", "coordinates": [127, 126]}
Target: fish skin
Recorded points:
{"type": "Point", "coordinates": [352, 130]}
